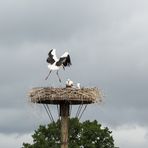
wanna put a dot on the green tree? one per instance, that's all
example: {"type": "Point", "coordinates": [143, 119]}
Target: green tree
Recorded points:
{"type": "Point", "coordinates": [86, 134]}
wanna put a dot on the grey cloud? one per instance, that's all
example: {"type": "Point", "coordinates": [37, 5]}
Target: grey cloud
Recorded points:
{"type": "Point", "coordinates": [54, 21]}
{"type": "Point", "coordinates": [49, 21]}
{"type": "Point", "coordinates": [24, 119]}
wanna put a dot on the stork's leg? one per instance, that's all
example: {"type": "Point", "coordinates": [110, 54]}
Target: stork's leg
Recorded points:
{"type": "Point", "coordinates": [63, 67]}
{"type": "Point", "coordinates": [48, 75]}
{"type": "Point", "coordinates": [58, 77]}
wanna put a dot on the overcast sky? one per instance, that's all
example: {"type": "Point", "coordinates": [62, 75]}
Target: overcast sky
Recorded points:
{"type": "Point", "coordinates": [107, 41]}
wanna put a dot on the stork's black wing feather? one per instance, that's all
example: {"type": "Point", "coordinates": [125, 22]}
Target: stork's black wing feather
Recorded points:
{"type": "Point", "coordinates": [64, 60]}
{"type": "Point", "coordinates": [61, 61]}
{"type": "Point", "coordinates": [50, 53]}
{"type": "Point", "coordinates": [50, 57]}
{"type": "Point", "coordinates": [67, 62]}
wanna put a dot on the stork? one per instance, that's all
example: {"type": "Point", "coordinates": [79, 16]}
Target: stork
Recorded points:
{"type": "Point", "coordinates": [69, 83]}
{"type": "Point", "coordinates": [55, 64]}
{"type": "Point", "coordinates": [78, 86]}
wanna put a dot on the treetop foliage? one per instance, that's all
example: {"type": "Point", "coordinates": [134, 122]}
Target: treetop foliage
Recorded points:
{"type": "Point", "coordinates": [81, 135]}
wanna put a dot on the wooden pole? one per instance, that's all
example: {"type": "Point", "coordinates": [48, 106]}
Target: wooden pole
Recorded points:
{"type": "Point", "coordinates": [64, 113]}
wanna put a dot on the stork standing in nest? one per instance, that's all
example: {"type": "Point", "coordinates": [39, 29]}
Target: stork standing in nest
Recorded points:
{"type": "Point", "coordinates": [55, 64]}
{"type": "Point", "coordinates": [69, 83]}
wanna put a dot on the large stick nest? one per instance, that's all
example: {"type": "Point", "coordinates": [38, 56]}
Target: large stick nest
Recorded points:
{"type": "Point", "coordinates": [50, 95]}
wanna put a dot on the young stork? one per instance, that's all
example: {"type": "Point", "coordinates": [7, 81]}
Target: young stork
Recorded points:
{"type": "Point", "coordinates": [55, 64]}
{"type": "Point", "coordinates": [69, 83]}
{"type": "Point", "coordinates": [78, 86]}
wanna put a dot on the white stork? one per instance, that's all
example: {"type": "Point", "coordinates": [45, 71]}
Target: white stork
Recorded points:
{"type": "Point", "coordinates": [55, 64]}
{"type": "Point", "coordinates": [69, 83]}
{"type": "Point", "coordinates": [78, 85]}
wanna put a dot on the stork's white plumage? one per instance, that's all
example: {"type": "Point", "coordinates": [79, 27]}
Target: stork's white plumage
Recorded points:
{"type": "Point", "coordinates": [55, 64]}
{"type": "Point", "coordinates": [78, 85]}
{"type": "Point", "coordinates": [69, 83]}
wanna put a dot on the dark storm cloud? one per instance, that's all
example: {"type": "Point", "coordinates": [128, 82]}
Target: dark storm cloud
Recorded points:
{"type": "Point", "coordinates": [108, 44]}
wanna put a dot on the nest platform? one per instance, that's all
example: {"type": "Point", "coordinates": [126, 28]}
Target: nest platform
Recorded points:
{"type": "Point", "coordinates": [51, 95]}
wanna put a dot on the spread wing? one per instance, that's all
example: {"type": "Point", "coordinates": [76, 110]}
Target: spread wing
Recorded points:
{"type": "Point", "coordinates": [67, 62]}
{"type": "Point", "coordinates": [52, 56]}
{"type": "Point", "coordinates": [64, 60]}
